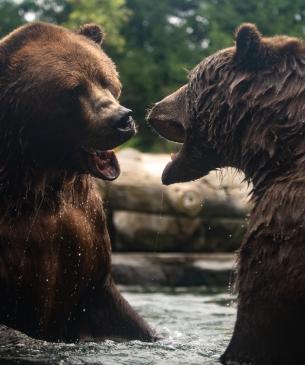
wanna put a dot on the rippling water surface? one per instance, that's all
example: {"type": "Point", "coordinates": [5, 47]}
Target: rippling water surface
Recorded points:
{"type": "Point", "coordinates": [196, 326]}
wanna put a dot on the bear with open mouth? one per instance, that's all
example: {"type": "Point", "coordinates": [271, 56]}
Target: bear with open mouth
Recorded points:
{"type": "Point", "coordinates": [59, 121]}
{"type": "Point", "coordinates": [244, 107]}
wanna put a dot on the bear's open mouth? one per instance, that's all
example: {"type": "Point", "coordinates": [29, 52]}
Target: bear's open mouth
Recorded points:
{"type": "Point", "coordinates": [169, 129]}
{"type": "Point", "coordinates": [102, 164]}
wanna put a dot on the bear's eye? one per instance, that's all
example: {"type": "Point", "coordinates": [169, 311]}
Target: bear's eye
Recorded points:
{"type": "Point", "coordinates": [114, 89]}
{"type": "Point", "coordinates": [78, 89]}
{"type": "Point", "coordinates": [115, 92]}
{"type": "Point", "coordinates": [105, 84]}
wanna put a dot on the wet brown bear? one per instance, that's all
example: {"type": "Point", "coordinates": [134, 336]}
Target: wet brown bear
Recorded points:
{"type": "Point", "coordinates": [59, 116]}
{"type": "Point", "coordinates": [245, 107]}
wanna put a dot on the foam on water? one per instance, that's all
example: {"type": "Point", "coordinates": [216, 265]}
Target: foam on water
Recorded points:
{"type": "Point", "coordinates": [196, 326]}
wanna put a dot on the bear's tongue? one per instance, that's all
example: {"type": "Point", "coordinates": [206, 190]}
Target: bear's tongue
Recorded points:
{"type": "Point", "coordinates": [103, 164]}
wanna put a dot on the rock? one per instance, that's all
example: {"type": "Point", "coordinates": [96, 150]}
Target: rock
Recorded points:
{"type": "Point", "coordinates": [212, 270]}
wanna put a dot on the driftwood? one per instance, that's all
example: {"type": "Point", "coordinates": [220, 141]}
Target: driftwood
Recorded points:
{"type": "Point", "coordinates": [139, 189]}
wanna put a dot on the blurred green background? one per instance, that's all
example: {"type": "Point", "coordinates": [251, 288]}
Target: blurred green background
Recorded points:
{"type": "Point", "coordinates": [156, 43]}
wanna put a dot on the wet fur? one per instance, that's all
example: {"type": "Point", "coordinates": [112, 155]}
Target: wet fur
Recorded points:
{"type": "Point", "coordinates": [248, 107]}
{"type": "Point", "coordinates": [245, 108]}
{"type": "Point", "coordinates": [55, 252]}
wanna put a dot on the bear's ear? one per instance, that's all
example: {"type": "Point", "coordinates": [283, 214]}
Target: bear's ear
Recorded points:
{"type": "Point", "coordinates": [93, 32]}
{"type": "Point", "coordinates": [248, 43]}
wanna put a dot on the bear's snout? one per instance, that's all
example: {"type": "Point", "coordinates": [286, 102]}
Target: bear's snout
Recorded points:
{"type": "Point", "coordinates": [123, 122]}
{"type": "Point", "coordinates": [169, 118]}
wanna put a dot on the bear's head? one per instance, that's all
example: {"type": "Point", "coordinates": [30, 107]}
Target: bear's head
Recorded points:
{"type": "Point", "coordinates": [243, 107]}
{"type": "Point", "coordinates": [59, 108]}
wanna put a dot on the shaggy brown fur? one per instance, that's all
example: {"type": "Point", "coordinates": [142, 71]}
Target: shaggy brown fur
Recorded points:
{"type": "Point", "coordinates": [58, 109]}
{"type": "Point", "coordinates": [246, 109]}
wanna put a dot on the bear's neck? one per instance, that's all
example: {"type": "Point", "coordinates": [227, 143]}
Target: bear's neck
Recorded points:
{"type": "Point", "coordinates": [263, 173]}
{"type": "Point", "coordinates": [26, 192]}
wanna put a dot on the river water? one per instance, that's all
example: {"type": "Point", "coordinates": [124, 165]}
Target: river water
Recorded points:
{"type": "Point", "coordinates": [196, 325]}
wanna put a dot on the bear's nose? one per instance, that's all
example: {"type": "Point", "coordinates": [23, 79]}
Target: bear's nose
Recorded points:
{"type": "Point", "coordinates": [123, 121]}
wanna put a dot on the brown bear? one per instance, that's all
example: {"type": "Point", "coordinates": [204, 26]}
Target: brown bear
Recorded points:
{"type": "Point", "coordinates": [244, 107]}
{"type": "Point", "coordinates": [59, 119]}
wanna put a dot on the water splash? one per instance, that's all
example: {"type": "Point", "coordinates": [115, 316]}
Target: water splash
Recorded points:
{"type": "Point", "coordinates": [195, 324]}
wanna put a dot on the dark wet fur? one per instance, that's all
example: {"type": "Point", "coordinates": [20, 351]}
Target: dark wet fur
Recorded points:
{"type": "Point", "coordinates": [247, 110]}
{"type": "Point", "coordinates": [55, 252]}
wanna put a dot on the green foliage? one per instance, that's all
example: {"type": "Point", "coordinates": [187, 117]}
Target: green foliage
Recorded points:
{"type": "Point", "coordinates": [155, 43]}
{"type": "Point", "coordinates": [271, 16]}
{"type": "Point", "coordinates": [112, 14]}
{"type": "Point", "coordinates": [11, 16]}
{"type": "Point", "coordinates": [159, 50]}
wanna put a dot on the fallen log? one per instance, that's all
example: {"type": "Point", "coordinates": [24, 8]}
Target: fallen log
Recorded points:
{"type": "Point", "coordinates": [139, 189]}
